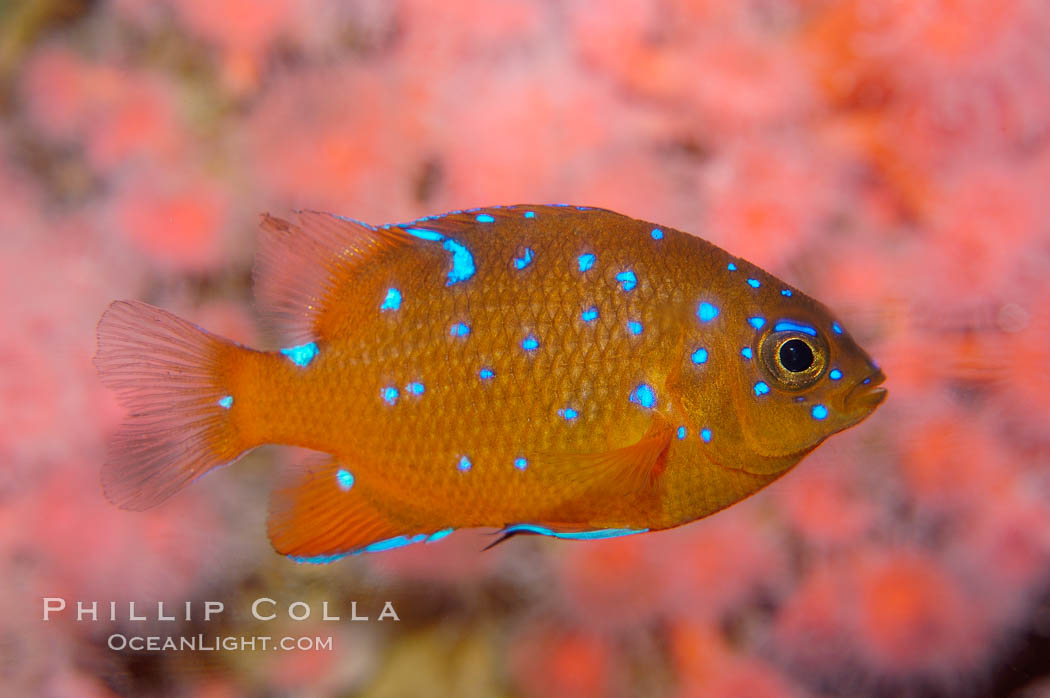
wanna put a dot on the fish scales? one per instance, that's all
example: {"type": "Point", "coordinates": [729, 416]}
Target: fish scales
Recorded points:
{"type": "Point", "coordinates": [557, 370]}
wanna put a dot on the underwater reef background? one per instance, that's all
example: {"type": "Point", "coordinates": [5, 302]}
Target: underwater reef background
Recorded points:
{"type": "Point", "coordinates": [889, 157]}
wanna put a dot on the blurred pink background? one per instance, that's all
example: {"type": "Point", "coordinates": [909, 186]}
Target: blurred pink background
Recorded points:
{"type": "Point", "coordinates": [890, 157]}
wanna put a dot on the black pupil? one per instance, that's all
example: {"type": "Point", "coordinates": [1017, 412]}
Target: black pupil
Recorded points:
{"type": "Point", "coordinates": [796, 356]}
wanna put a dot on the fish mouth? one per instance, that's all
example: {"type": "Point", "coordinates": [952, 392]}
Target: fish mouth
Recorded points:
{"type": "Point", "coordinates": [867, 395]}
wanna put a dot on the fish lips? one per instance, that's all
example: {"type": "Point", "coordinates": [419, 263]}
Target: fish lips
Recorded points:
{"type": "Point", "coordinates": [867, 394]}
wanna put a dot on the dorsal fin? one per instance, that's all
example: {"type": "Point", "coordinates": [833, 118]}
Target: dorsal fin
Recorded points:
{"type": "Point", "coordinates": [298, 263]}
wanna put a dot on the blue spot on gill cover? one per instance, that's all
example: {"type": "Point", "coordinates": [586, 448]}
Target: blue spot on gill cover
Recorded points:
{"type": "Point", "coordinates": [589, 314]}
{"type": "Point", "coordinates": [731, 267]}
{"type": "Point", "coordinates": [586, 261]}
{"type": "Point", "coordinates": [681, 433]}
{"type": "Point", "coordinates": [699, 356]}
{"type": "Point", "coordinates": [754, 283]}
{"type": "Point", "coordinates": [643, 395]}
{"type": "Point", "coordinates": [657, 234]}
{"type": "Point", "coordinates": [634, 327]}
{"type": "Point", "coordinates": [525, 260]}
{"type": "Point", "coordinates": [761, 388]}
{"type": "Point", "coordinates": [226, 401]}
{"type": "Point", "coordinates": [486, 373]}
{"type": "Point", "coordinates": [302, 354]}
{"type": "Point", "coordinates": [786, 292]}
{"type": "Point", "coordinates": [392, 300]}
{"type": "Point", "coordinates": [819, 412]}
{"type": "Point", "coordinates": [520, 463]}
{"type": "Point", "coordinates": [627, 280]}
{"type": "Point", "coordinates": [706, 312]}
{"type": "Point", "coordinates": [746, 352]}
{"type": "Point", "coordinates": [797, 327]}
{"type": "Point", "coordinates": [459, 330]}
{"type": "Point", "coordinates": [415, 388]}
{"type": "Point", "coordinates": [835, 374]}
{"type": "Point", "coordinates": [568, 413]}
{"type": "Point", "coordinates": [705, 434]}
{"type": "Point", "coordinates": [389, 394]}
{"type": "Point", "coordinates": [464, 464]}
{"type": "Point", "coordinates": [530, 214]}
{"type": "Point", "coordinates": [484, 218]}
{"type": "Point", "coordinates": [345, 479]}
{"type": "Point", "coordinates": [836, 328]}
{"type": "Point", "coordinates": [529, 343]}
{"type": "Point", "coordinates": [574, 535]}
{"type": "Point", "coordinates": [756, 322]}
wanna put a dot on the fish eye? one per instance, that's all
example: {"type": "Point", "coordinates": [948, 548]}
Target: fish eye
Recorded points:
{"type": "Point", "coordinates": [795, 355]}
{"type": "Point", "coordinates": [795, 360]}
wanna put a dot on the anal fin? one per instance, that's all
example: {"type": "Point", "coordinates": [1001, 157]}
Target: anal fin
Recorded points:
{"type": "Point", "coordinates": [326, 514]}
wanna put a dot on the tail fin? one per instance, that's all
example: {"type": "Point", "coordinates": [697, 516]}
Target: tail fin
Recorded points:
{"type": "Point", "coordinates": [173, 377]}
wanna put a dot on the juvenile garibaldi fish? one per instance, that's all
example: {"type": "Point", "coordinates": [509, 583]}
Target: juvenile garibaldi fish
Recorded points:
{"type": "Point", "coordinates": [564, 371]}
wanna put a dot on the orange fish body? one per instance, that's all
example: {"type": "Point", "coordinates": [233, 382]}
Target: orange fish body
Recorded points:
{"type": "Point", "coordinates": [557, 370]}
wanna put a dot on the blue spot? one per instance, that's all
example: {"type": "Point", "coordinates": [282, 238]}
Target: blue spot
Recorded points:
{"type": "Point", "coordinates": [819, 412]}
{"type": "Point", "coordinates": [459, 330]}
{"type": "Point", "coordinates": [705, 434]}
{"type": "Point", "coordinates": [524, 261]}
{"type": "Point", "coordinates": [786, 292]}
{"type": "Point", "coordinates": [391, 543]}
{"type": "Point", "coordinates": [574, 535]}
{"type": "Point", "coordinates": [627, 280]}
{"type": "Point", "coordinates": [681, 433]}
{"type": "Point", "coordinates": [707, 312]}
{"type": "Point", "coordinates": [634, 327]}
{"type": "Point", "coordinates": [484, 218]}
{"type": "Point", "coordinates": [345, 478]}
{"type": "Point", "coordinates": [424, 234]}
{"type": "Point", "coordinates": [529, 343]}
{"type": "Point", "coordinates": [761, 388]}
{"type": "Point", "coordinates": [520, 463]}
{"type": "Point", "coordinates": [464, 464]}
{"type": "Point", "coordinates": [731, 267]}
{"type": "Point", "coordinates": [700, 356]}
{"type": "Point", "coordinates": [318, 559]}
{"type": "Point", "coordinates": [226, 401]}
{"type": "Point", "coordinates": [746, 352]}
{"type": "Point", "coordinates": [438, 535]}
{"type": "Point", "coordinates": [835, 374]}
{"type": "Point", "coordinates": [756, 322]}
{"type": "Point", "coordinates": [530, 214]}
{"type": "Point", "coordinates": [836, 328]}
{"type": "Point", "coordinates": [643, 395]}
{"type": "Point", "coordinates": [866, 381]}
{"type": "Point", "coordinates": [586, 261]}
{"type": "Point", "coordinates": [301, 355]}
{"type": "Point", "coordinates": [753, 283]}
{"type": "Point", "coordinates": [415, 388]}
{"type": "Point", "coordinates": [389, 394]}
{"type": "Point", "coordinates": [462, 262]}
{"type": "Point", "coordinates": [568, 413]}
{"type": "Point", "coordinates": [486, 373]}
{"type": "Point", "coordinates": [590, 314]}
{"type": "Point", "coordinates": [392, 300]}
{"type": "Point", "coordinates": [657, 234]}
{"type": "Point", "coordinates": [786, 325]}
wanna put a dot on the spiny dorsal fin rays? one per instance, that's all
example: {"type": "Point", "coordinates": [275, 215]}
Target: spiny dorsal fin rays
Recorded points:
{"type": "Point", "coordinates": [298, 265]}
